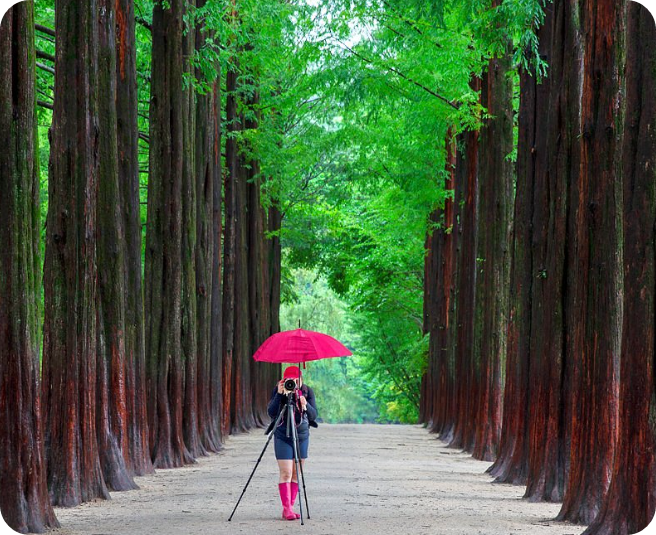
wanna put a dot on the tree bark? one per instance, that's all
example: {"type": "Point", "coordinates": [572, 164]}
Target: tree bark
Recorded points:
{"type": "Point", "coordinates": [70, 272]}
{"type": "Point", "coordinates": [594, 276]}
{"type": "Point", "coordinates": [216, 330]}
{"type": "Point", "coordinates": [163, 306]}
{"type": "Point", "coordinates": [24, 499]}
{"type": "Point", "coordinates": [206, 176]}
{"type": "Point", "coordinates": [112, 417]}
{"type": "Point", "coordinates": [467, 174]}
{"type": "Point", "coordinates": [139, 461]}
{"type": "Point", "coordinates": [496, 184]}
{"type": "Point", "coordinates": [190, 325]}
{"type": "Point", "coordinates": [548, 371]}
{"type": "Point", "coordinates": [229, 251]}
{"type": "Point", "coordinates": [629, 505]}
{"type": "Point", "coordinates": [512, 464]}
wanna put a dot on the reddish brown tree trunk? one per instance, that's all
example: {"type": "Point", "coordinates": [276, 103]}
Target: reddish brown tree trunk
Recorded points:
{"type": "Point", "coordinates": [629, 505]}
{"type": "Point", "coordinates": [206, 162]}
{"type": "Point", "coordinates": [138, 460]}
{"type": "Point", "coordinates": [229, 251]}
{"type": "Point", "coordinates": [274, 224]}
{"type": "Point", "coordinates": [496, 184]}
{"type": "Point", "coordinates": [258, 274]}
{"type": "Point", "coordinates": [216, 329]}
{"type": "Point", "coordinates": [24, 499]}
{"type": "Point", "coordinates": [190, 324]}
{"type": "Point", "coordinates": [548, 455]}
{"type": "Point", "coordinates": [440, 267]}
{"type": "Point", "coordinates": [69, 363]}
{"type": "Point", "coordinates": [112, 417]}
{"type": "Point", "coordinates": [512, 463]}
{"type": "Point", "coordinates": [243, 362]}
{"type": "Point", "coordinates": [431, 248]}
{"type": "Point", "coordinates": [594, 307]}
{"type": "Point", "coordinates": [163, 304]}
{"type": "Point", "coordinates": [70, 274]}
{"type": "Point", "coordinates": [467, 174]}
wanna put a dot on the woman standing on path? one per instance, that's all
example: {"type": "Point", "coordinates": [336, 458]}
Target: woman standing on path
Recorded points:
{"type": "Point", "coordinates": [306, 414]}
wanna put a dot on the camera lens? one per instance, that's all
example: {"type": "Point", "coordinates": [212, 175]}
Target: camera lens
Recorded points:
{"type": "Point", "coordinates": [290, 384]}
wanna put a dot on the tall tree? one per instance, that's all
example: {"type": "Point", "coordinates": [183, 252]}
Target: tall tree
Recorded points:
{"type": "Point", "coordinates": [548, 456]}
{"type": "Point", "coordinates": [24, 500]}
{"type": "Point", "coordinates": [494, 227]}
{"type": "Point", "coordinates": [207, 173]}
{"type": "Point", "coordinates": [467, 175]}
{"type": "Point", "coordinates": [511, 465]}
{"type": "Point", "coordinates": [229, 253]}
{"type": "Point", "coordinates": [128, 170]}
{"type": "Point", "coordinates": [112, 417]}
{"type": "Point", "coordinates": [594, 275]}
{"type": "Point", "coordinates": [189, 335]}
{"type": "Point", "coordinates": [629, 505]}
{"type": "Point", "coordinates": [163, 302]}
{"type": "Point", "coordinates": [70, 271]}
{"type": "Point", "coordinates": [216, 316]}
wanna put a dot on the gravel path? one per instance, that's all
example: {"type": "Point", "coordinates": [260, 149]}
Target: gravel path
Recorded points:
{"type": "Point", "coordinates": [361, 479]}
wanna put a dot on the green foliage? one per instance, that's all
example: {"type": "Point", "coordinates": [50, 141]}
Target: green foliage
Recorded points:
{"type": "Point", "coordinates": [355, 99]}
{"type": "Point", "coordinates": [342, 394]}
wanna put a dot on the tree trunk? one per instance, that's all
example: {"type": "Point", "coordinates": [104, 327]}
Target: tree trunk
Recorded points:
{"type": "Point", "coordinates": [229, 251]}
{"type": "Point", "coordinates": [206, 123]}
{"type": "Point", "coordinates": [629, 505]}
{"type": "Point", "coordinates": [70, 273]}
{"type": "Point", "coordinates": [467, 174]}
{"type": "Point", "coordinates": [258, 273]}
{"type": "Point", "coordinates": [112, 418]}
{"type": "Point", "coordinates": [24, 499]}
{"type": "Point", "coordinates": [189, 336]}
{"type": "Point", "coordinates": [139, 461]}
{"type": "Point", "coordinates": [512, 463]}
{"type": "Point", "coordinates": [496, 184]}
{"type": "Point", "coordinates": [274, 225]}
{"type": "Point", "coordinates": [548, 455]}
{"type": "Point", "coordinates": [163, 304]}
{"type": "Point", "coordinates": [216, 330]}
{"type": "Point", "coordinates": [594, 306]}
{"type": "Point", "coordinates": [243, 396]}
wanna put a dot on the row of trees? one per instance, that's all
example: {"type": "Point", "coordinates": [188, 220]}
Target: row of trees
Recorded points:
{"type": "Point", "coordinates": [539, 287]}
{"type": "Point", "coordinates": [136, 372]}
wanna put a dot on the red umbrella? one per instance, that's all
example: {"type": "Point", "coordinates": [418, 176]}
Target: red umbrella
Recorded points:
{"type": "Point", "coordinates": [299, 345]}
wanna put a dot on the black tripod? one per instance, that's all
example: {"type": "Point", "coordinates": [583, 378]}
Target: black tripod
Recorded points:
{"type": "Point", "coordinates": [291, 429]}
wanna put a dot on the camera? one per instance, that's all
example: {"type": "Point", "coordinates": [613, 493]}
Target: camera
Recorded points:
{"type": "Point", "coordinates": [290, 385]}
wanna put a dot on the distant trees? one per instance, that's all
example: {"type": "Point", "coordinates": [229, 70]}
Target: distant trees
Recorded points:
{"type": "Point", "coordinates": [578, 375]}
{"type": "Point", "coordinates": [127, 383]}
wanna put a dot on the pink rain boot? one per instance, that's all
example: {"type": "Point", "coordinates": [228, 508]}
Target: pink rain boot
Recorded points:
{"type": "Point", "coordinates": [287, 513]}
{"type": "Point", "coordinates": [294, 492]}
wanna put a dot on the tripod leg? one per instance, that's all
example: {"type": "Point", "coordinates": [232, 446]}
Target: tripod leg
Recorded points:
{"type": "Point", "coordinates": [266, 445]}
{"type": "Point", "coordinates": [307, 509]}
{"type": "Point", "coordinates": [296, 462]}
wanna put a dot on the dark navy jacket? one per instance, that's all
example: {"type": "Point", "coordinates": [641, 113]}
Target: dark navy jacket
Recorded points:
{"type": "Point", "coordinates": [303, 422]}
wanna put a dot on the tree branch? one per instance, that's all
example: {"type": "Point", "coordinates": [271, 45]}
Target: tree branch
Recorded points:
{"type": "Point", "coordinates": [388, 68]}
{"type": "Point", "coordinates": [45, 29]}
{"type": "Point", "coordinates": [44, 55]}
{"type": "Point", "coordinates": [45, 67]}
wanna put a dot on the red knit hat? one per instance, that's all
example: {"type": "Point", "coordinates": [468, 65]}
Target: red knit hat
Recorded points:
{"type": "Point", "coordinates": [293, 372]}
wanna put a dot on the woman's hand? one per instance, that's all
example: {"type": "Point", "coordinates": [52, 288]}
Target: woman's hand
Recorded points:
{"type": "Point", "coordinates": [303, 402]}
{"type": "Point", "coordinates": [281, 386]}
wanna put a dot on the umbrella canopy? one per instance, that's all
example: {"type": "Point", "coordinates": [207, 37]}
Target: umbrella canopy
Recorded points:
{"type": "Point", "coordinates": [299, 345]}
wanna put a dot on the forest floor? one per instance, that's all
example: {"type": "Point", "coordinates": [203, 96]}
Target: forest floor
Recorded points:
{"type": "Point", "coordinates": [360, 479]}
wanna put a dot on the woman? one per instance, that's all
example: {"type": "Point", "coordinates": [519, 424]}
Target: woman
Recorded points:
{"type": "Point", "coordinates": [306, 414]}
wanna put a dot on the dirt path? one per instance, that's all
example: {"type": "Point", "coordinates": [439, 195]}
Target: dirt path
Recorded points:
{"type": "Point", "coordinates": [361, 479]}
